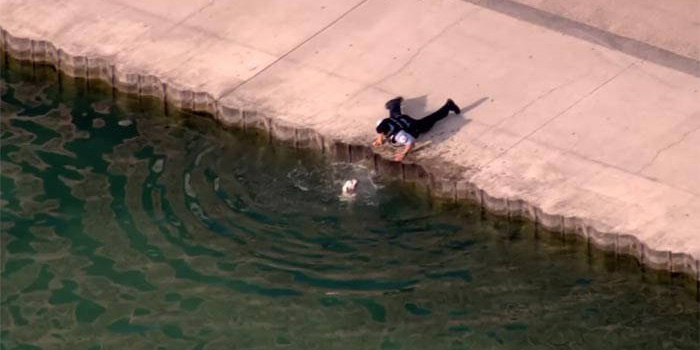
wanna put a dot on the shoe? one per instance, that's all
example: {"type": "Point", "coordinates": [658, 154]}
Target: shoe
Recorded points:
{"type": "Point", "coordinates": [392, 102]}
{"type": "Point", "coordinates": [453, 106]}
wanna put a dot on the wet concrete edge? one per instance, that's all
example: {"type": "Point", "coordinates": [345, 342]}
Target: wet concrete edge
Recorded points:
{"type": "Point", "coordinates": [437, 186]}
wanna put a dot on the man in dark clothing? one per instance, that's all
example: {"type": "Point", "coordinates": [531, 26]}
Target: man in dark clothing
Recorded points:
{"type": "Point", "coordinates": [401, 129]}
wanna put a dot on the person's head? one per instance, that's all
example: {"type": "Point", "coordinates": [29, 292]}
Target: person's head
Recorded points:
{"type": "Point", "coordinates": [383, 127]}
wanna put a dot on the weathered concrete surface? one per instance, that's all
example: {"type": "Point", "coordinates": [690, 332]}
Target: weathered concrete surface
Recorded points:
{"type": "Point", "coordinates": [580, 137]}
{"type": "Point", "coordinates": [663, 32]}
{"type": "Point", "coordinates": [666, 24]}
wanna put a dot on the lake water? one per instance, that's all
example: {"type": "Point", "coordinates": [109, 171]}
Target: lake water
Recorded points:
{"type": "Point", "coordinates": [123, 228]}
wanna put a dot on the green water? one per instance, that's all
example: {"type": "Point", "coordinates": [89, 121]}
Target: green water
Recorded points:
{"type": "Point", "coordinates": [126, 229]}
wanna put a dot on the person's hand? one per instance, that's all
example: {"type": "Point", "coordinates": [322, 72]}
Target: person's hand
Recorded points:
{"type": "Point", "coordinates": [376, 142]}
{"type": "Point", "coordinates": [401, 155]}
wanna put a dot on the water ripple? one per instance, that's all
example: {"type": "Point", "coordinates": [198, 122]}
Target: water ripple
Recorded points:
{"type": "Point", "coordinates": [123, 228]}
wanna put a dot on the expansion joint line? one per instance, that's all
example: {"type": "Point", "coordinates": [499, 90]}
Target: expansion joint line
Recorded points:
{"type": "Point", "coordinates": [186, 18]}
{"type": "Point", "coordinates": [561, 113]}
{"type": "Point", "coordinates": [233, 89]}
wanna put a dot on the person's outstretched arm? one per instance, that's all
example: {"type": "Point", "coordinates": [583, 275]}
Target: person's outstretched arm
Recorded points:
{"type": "Point", "coordinates": [401, 155]}
{"type": "Point", "coordinates": [379, 140]}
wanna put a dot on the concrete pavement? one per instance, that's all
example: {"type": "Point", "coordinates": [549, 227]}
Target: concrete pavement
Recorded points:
{"type": "Point", "coordinates": [668, 25]}
{"type": "Point", "coordinates": [577, 135]}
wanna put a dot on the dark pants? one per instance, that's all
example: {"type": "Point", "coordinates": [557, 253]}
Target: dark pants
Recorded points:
{"type": "Point", "coordinates": [420, 126]}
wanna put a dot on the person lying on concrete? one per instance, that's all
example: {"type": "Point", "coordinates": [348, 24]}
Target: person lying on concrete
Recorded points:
{"type": "Point", "coordinates": [402, 130]}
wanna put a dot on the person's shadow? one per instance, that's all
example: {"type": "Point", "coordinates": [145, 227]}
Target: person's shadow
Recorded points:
{"type": "Point", "coordinates": [445, 128]}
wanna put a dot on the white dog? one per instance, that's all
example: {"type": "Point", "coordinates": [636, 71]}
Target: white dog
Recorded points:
{"type": "Point", "coordinates": [349, 189]}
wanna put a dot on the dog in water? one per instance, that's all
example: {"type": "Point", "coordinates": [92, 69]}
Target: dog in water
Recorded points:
{"type": "Point", "coordinates": [348, 192]}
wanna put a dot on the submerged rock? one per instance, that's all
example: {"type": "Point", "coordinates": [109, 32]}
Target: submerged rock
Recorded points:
{"type": "Point", "coordinates": [101, 107]}
{"type": "Point", "coordinates": [98, 123]}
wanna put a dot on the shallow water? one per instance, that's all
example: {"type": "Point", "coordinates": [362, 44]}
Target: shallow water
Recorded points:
{"type": "Point", "coordinates": [123, 228]}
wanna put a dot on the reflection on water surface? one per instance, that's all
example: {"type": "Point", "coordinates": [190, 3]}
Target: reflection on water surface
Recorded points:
{"type": "Point", "coordinates": [122, 228]}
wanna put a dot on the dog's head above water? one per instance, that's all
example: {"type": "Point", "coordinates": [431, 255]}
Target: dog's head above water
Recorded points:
{"type": "Point", "coordinates": [349, 186]}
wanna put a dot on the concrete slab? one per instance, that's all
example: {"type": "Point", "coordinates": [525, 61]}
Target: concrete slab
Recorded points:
{"type": "Point", "coordinates": [193, 60]}
{"type": "Point", "coordinates": [659, 32]}
{"type": "Point", "coordinates": [273, 26]}
{"type": "Point", "coordinates": [303, 82]}
{"type": "Point", "coordinates": [78, 28]}
{"type": "Point", "coordinates": [610, 199]}
{"type": "Point", "coordinates": [602, 129]}
{"type": "Point", "coordinates": [670, 164]}
{"type": "Point", "coordinates": [665, 24]}
{"type": "Point", "coordinates": [165, 10]}
{"type": "Point", "coordinates": [580, 137]}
